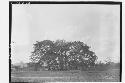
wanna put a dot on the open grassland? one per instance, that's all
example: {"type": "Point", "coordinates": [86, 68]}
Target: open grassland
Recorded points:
{"type": "Point", "coordinates": [111, 75]}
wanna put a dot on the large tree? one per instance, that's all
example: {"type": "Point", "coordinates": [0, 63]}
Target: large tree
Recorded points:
{"type": "Point", "coordinates": [62, 55]}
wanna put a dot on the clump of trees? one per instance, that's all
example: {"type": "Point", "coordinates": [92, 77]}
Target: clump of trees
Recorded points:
{"type": "Point", "coordinates": [62, 55]}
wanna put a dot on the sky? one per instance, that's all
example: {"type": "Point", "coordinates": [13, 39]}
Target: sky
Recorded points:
{"type": "Point", "coordinates": [96, 25]}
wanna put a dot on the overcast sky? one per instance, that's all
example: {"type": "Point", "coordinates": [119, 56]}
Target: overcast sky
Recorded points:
{"type": "Point", "coordinates": [96, 25]}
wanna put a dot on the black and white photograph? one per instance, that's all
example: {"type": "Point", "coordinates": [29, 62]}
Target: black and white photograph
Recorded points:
{"type": "Point", "coordinates": [65, 42]}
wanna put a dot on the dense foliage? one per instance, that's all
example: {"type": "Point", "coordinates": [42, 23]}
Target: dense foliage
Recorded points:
{"type": "Point", "coordinates": [62, 55]}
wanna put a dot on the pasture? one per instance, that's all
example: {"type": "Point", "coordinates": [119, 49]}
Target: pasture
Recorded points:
{"type": "Point", "coordinates": [111, 75]}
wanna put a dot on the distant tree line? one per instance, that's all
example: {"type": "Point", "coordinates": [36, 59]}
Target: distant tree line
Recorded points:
{"type": "Point", "coordinates": [106, 66]}
{"type": "Point", "coordinates": [62, 55]}
{"type": "Point", "coordinates": [100, 66]}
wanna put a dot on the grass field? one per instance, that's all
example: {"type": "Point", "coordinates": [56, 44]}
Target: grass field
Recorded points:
{"type": "Point", "coordinates": [66, 76]}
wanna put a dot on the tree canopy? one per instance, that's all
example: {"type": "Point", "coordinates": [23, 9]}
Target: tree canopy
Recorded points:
{"type": "Point", "coordinates": [62, 55]}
